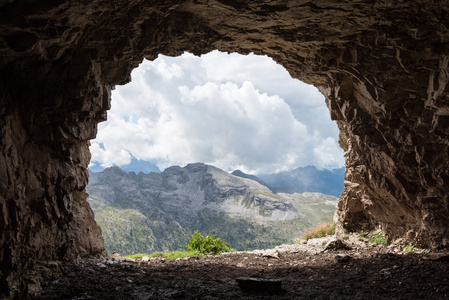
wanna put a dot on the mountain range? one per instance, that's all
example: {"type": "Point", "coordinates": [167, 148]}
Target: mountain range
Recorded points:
{"type": "Point", "coordinates": [302, 179]}
{"type": "Point", "coordinates": [158, 212]}
{"type": "Point", "coordinates": [274, 189]}
{"type": "Point", "coordinates": [310, 179]}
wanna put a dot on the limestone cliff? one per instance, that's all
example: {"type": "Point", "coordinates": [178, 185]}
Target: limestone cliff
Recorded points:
{"type": "Point", "coordinates": [382, 65]}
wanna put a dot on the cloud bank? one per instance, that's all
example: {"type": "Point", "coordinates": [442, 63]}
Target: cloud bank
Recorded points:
{"type": "Point", "coordinates": [228, 110]}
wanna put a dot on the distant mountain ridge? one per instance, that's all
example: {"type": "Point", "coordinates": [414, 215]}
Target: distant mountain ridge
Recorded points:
{"type": "Point", "coordinates": [136, 166]}
{"type": "Point", "coordinates": [156, 212]}
{"type": "Point", "coordinates": [274, 189]}
{"type": "Point", "coordinates": [310, 179]}
{"type": "Point", "coordinates": [302, 179]}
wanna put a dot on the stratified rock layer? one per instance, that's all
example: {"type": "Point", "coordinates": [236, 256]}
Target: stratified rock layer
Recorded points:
{"type": "Point", "coordinates": [382, 65]}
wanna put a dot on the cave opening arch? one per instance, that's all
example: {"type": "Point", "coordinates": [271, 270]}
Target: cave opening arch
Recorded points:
{"type": "Point", "coordinates": [381, 66]}
{"type": "Point", "coordinates": [234, 112]}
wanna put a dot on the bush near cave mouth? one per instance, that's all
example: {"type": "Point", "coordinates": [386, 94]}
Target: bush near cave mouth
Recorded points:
{"type": "Point", "coordinates": [210, 244]}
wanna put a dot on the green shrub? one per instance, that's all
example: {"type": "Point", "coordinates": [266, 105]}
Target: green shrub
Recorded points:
{"type": "Point", "coordinates": [379, 239]}
{"type": "Point", "coordinates": [210, 244]}
{"type": "Point", "coordinates": [319, 231]}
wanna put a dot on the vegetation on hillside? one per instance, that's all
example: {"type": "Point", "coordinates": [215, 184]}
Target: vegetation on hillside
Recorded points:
{"type": "Point", "coordinates": [146, 213]}
{"type": "Point", "coordinates": [129, 231]}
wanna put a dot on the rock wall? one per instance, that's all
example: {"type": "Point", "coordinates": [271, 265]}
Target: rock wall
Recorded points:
{"type": "Point", "coordinates": [382, 65]}
{"type": "Point", "coordinates": [45, 130]}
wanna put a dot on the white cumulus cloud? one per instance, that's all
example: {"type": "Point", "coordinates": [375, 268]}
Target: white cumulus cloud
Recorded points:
{"type": "Point", "coordinates": [228, 110]}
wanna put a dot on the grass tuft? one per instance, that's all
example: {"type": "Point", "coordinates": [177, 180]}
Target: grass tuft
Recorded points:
{"type": "Point", "coordinates": [379, 239]}
{"type": "Point", "coordinates": [409, 248]}
{"type": "Point", "coordinates": [169, 255]}
{"type": "Point", "coordinates": [321, 230]}
{"type": "Point", "coordinates": [137, 256]}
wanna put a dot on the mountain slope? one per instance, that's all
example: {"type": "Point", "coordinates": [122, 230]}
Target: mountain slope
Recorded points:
{"type": "Point", "coordinates": [156, 212]}
{"type": "Point", "coordinates": [248, 176]}
{"type": "Point", "coordinates": [310, 179]}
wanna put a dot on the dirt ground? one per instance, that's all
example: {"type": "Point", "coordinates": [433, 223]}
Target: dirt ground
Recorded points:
{"type": "Point", "coordinates": [305, 272]}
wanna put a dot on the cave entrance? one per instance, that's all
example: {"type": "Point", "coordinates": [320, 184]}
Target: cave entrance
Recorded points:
{"type": "Point", "coordinates": [241, 113]}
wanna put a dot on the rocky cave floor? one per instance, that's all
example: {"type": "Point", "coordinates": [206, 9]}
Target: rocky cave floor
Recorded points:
{"type": "Point", "coordinates": [306, 271]}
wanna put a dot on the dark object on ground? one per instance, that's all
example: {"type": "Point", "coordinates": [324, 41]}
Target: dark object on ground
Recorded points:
{"type": "Point", "coordinates": [341, 258]}
{"type": "Point", "coordinates": [337, 244]}
{"type": "Point", "coordinates": [260, 285]}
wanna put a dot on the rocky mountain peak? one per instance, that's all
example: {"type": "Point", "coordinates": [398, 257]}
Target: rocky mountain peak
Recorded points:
{"type": "Point", "coordinates": [185, 199]}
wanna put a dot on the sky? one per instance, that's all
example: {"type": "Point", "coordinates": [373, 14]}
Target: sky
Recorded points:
{"type": "Point", "coordinates": [229, 110]}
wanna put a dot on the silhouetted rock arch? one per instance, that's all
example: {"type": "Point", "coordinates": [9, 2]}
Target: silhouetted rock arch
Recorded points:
{"type": "Point", "coordinates": [382, 65]}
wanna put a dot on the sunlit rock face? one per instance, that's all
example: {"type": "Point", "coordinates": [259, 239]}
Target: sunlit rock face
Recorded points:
{"type": "Point", "coordinates": [382, 65]}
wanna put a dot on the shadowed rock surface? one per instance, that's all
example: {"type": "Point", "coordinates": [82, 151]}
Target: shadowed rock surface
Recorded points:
{"type": "Point", "coordinates": [382, 66]}
{"type": "Point", "coordinates": [300, 271]}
